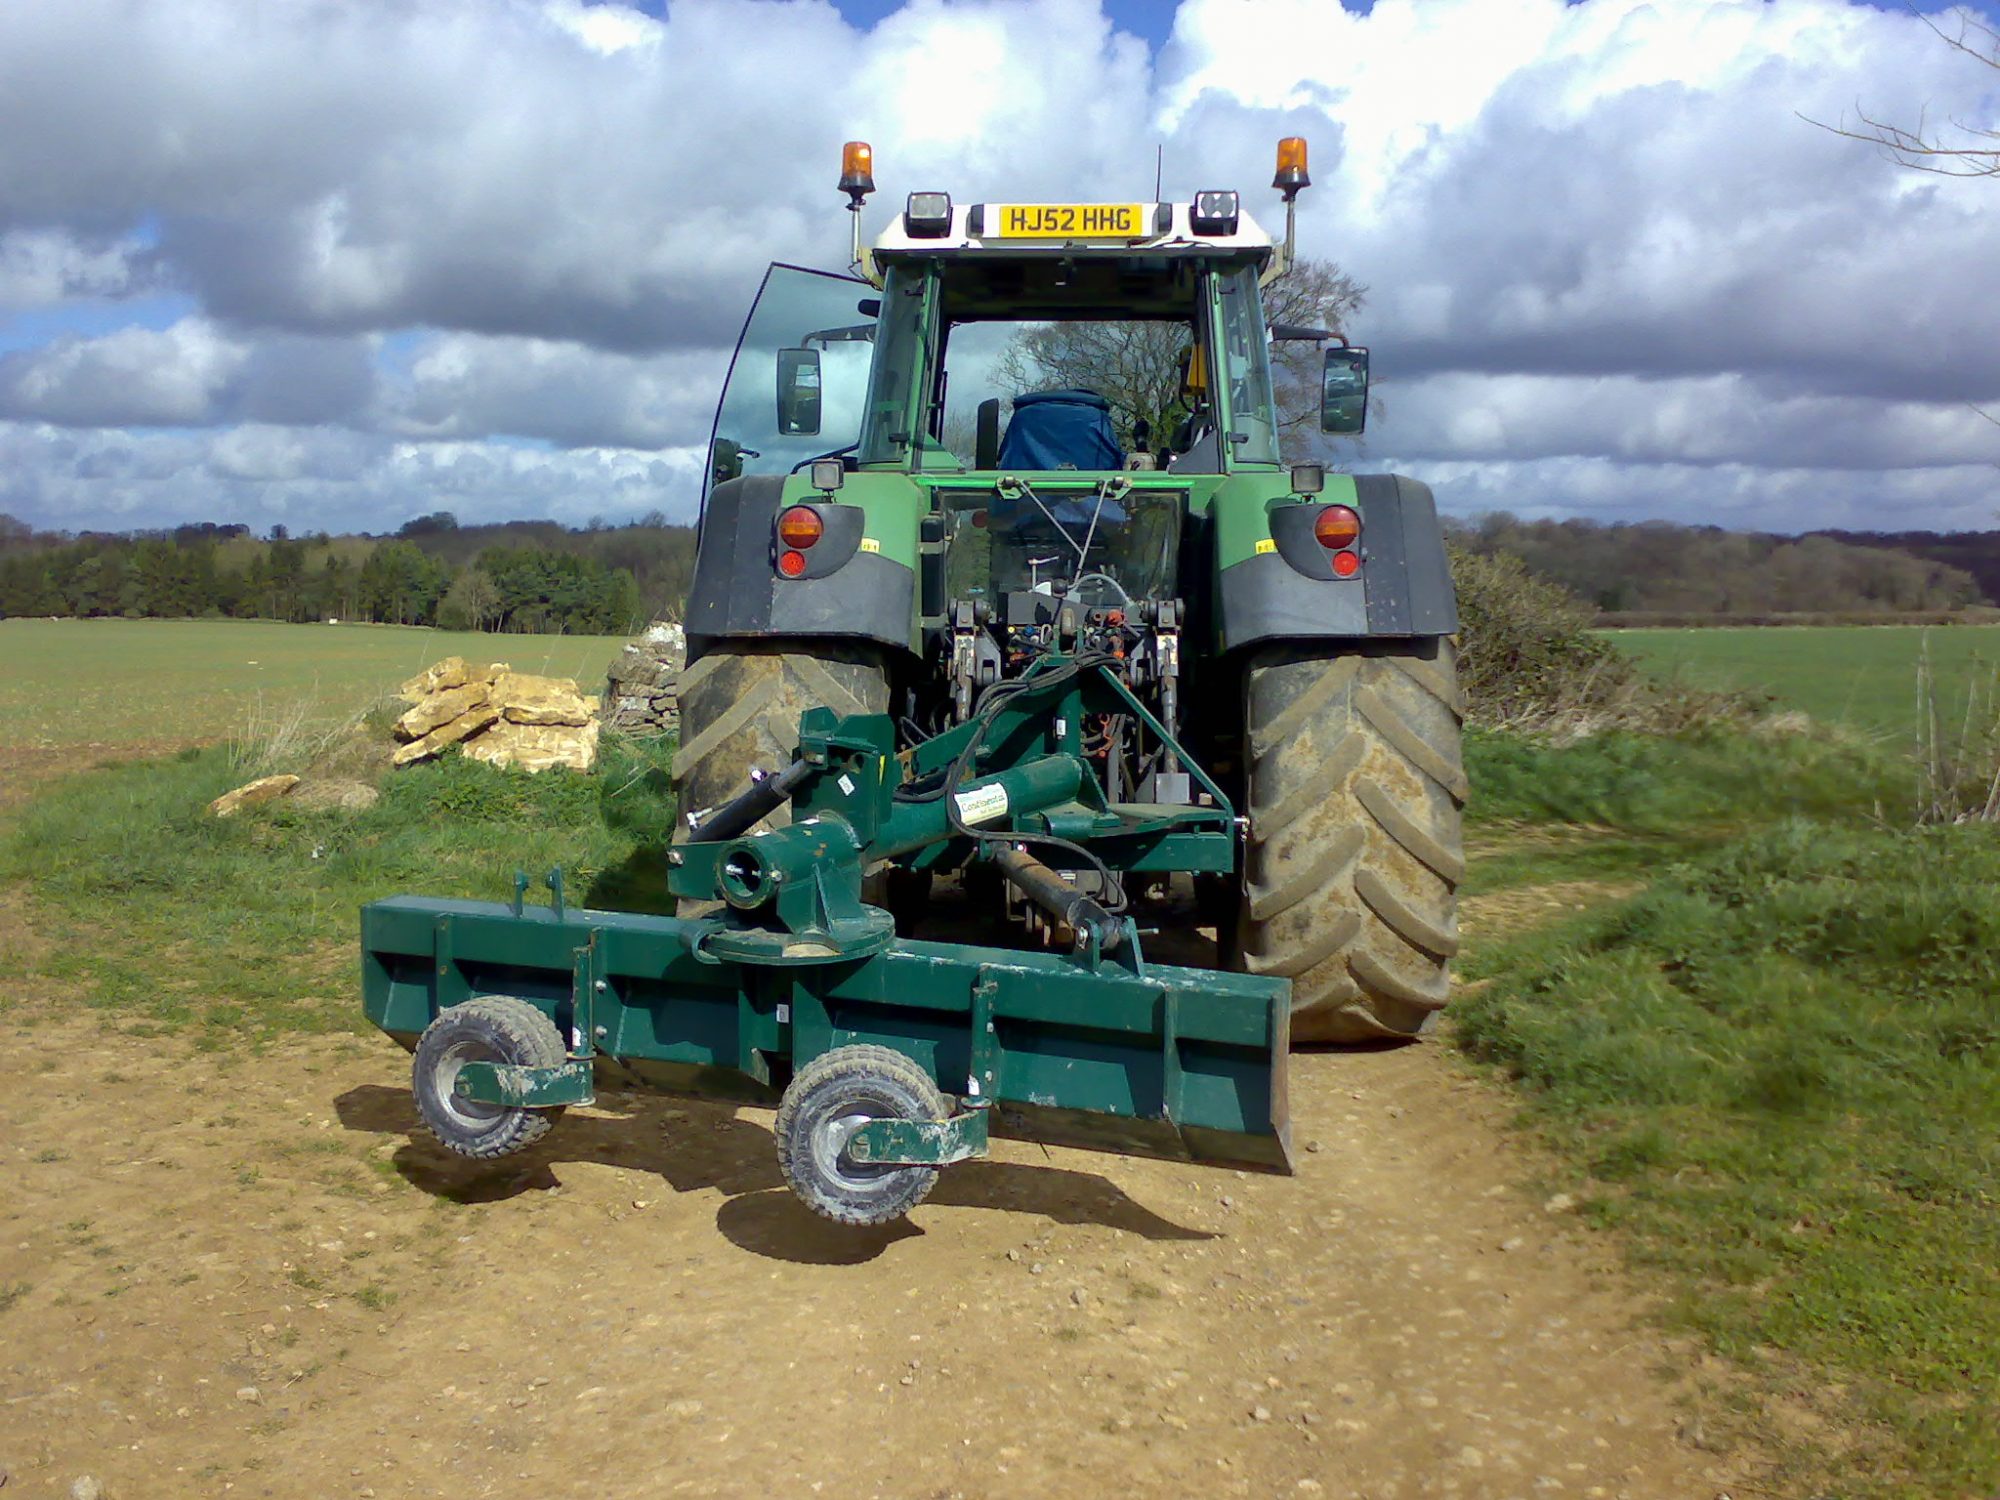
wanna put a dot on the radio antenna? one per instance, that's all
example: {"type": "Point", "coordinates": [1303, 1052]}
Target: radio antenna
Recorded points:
{"type": "Point", "coordinates": [1159, 163]}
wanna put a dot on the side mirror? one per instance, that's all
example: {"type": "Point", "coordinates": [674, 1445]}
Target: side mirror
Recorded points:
{"type": "Point", "coordinates": [1343, 391]}
{"type": "Point", "coordinates": [798, 392]}
{"type": "Point", "coordinates": [725, 461]}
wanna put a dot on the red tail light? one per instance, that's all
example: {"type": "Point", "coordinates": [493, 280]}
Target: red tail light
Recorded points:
{"type": "Point", "coordinates": [800, 527]}
{"type": "Point", "coordinates": [791, 564]}
{"type": "Point", "coordinates": [1346, 564]}
{"type": "Point", "coordinates": [1336, 526]}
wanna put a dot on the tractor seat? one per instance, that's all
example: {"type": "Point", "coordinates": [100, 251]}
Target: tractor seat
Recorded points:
{"type": "Point", "coordinates": [1061, 430]}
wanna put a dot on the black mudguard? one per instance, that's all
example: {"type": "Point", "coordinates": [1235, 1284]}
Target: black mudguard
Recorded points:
{"type": "Point", "coordinates": [737, 591]}
{"type": "Point", "coordinates": [1403, 589]}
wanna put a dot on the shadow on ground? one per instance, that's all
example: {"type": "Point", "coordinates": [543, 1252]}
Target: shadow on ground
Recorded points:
{"type": "Point", "coordinates": [696, 1145]}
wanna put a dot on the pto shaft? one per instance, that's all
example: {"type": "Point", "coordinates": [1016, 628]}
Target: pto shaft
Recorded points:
{"type": "Point", "coordinates": [1059, 898]}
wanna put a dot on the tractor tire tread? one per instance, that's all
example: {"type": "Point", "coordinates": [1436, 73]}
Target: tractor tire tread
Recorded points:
{"type": "Point", "coordinates": [1412, 835]}
{"type": "Point", "coordinates": [1392, 726]}
{"type": "Point", "coordinates": [1318, 786]}
{"type": "Point", "coordinates": [1290, 888]}
{"type": "Point", "coordinates": [740, 705]}
{"type": "Point", "coordinates": [1355, 851]}
{"type": "Point", "coordinates": [1268, 737]}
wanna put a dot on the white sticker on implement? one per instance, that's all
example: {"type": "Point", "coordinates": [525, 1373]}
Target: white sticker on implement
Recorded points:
{"type": "Point", "coordinates": [983, 803]}
{"type": "Point", "coordinates": [846, 784]}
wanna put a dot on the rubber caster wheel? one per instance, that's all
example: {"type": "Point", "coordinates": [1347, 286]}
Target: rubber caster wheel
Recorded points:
{"type": "Point", "coordinates": [495, 1029]}
{"type": "Point", "coordinates": [828, 1100]}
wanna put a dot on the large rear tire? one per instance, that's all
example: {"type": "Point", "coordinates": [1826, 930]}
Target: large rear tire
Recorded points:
{"type": "Point", "coordinates": [740, 706]}
{"type": "Point", "coordinates": [1356, 794]}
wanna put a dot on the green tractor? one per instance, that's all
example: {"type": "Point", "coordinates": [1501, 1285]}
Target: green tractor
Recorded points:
{"type": "Point", "coordinates": [1271, 712]}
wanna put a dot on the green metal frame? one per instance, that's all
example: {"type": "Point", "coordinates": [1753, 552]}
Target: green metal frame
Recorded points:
{"type": "Point", "coordinates": [1131, 1056]}
{"type": "Point", "coordinates": [571, 1082]}
{"type": "Point", "coordinates": [1139, 837]}
{"type": "Point", "coordinates": [921, 1143]}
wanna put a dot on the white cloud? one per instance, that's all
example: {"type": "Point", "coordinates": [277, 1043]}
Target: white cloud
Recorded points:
{"type": "Point", "coordinates": [321, 479]}
{"type": "Point", "coordinates": [193, 373]}
{"type": "Point", "coordinates": [39, 267]}
{"type": "Point", "coordinates": [464, 385]}
{"type": "Point", "coordinates": [1599, 240]}
{"type": "Point", "coordinates": [1716, 419]}
{"type": "Point", "coordinates": [161, 377]}
{"type": "Point", "coordinates": [607, 28]}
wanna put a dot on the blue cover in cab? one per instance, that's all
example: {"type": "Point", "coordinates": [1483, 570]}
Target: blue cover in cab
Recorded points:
{"type": "Point", "coordinates": [1061, 430]}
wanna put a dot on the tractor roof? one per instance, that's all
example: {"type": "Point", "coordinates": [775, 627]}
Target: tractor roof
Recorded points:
{"type": "Point", "coordinates": [1008, 231]}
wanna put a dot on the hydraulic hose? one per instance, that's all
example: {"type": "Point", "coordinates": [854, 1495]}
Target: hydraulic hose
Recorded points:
{"type": "Point", "coordinates": [742, 811]}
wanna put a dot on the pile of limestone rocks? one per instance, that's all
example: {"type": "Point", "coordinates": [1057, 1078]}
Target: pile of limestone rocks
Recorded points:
{"type": "Point", "coordinates": [497, 715]}
{"type": "Point", "coordinates": [639, 695]}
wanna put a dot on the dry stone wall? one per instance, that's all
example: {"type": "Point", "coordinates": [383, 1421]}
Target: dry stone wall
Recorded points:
{"type": "Point", "coordinates": [639, 695]}
{"type": "Point", "coordinates": [500, 716]}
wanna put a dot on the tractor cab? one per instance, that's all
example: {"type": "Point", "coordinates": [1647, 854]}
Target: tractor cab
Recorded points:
{"type": "Point", "coordinates": [961, 362]}
{"type": "Point", "coordinates": [1066, 382]}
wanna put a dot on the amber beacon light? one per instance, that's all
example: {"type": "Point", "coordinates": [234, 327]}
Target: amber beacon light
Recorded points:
{"type": "Point", "coordinates": [857, 170]}
{"type": "Point", "coordinates": [1292, 174]}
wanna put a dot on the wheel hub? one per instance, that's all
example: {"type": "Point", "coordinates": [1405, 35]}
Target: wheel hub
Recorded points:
{"type": "Point", "coordinates": [830, 1151]}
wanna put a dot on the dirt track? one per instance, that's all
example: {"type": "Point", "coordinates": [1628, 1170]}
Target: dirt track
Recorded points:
{"type": "Point", "coordinates": [249, 1276]}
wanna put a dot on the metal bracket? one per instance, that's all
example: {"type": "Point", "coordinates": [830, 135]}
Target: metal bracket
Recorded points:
{"type": "Point", "coordinates": [526, 1088]}
{"type": "Point", "coordinates": [451, 986]}
{"type": "Point", "coordinates": [985, 1050]}
{"type": "Point", "coordinates": [586, 983]}
{"type": "Point", "coordinates": [1125, 954]}
{"type": "Point", "coordinates": [553, 880]}
{"type": "Point", "coordinates": [920, 1143]}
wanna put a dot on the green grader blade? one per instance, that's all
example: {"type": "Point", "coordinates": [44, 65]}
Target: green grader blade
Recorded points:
{"type": "Point", "coordinates": [1148, 1059]}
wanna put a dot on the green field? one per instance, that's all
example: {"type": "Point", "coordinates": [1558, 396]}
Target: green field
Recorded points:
{"type": "Point", "coordinates": [1861, 676]}
{"type": "Point", "coordinates": [85, 682]}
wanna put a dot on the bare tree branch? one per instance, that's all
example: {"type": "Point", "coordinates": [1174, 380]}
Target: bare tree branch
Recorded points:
{"type": "Point", "coordinates": [1920, 149]}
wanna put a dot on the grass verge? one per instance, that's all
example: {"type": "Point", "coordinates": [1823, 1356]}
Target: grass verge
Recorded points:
{"type": "Point", "coordinates": [244, 927]}
{"type": "Point", "coordinates": [1781, 1067]}
{"type": "Point", "coordinates": [1619, 806]}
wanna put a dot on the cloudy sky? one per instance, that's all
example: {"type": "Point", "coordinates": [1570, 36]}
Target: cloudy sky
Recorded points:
{"type": "Point", "coordinates": [333, 263]}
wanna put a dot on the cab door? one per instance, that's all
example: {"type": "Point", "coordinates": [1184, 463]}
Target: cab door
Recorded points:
{"type": "Point", "coordinates": [807, 331]}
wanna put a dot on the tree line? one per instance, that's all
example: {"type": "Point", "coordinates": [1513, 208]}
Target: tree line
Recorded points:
{"type": "Point", "coordinates": [1657, 567]}
{"type": "Point", "coordinates": [1976, 553]}
{"type": "Point", "coordinates": [520, 576]}
{"type": "Point", "coordinates": [542, 576]}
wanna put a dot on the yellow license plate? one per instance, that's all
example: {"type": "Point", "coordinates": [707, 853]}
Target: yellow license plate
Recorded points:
{"type": "Point", "coordinates": [1073, 221]}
